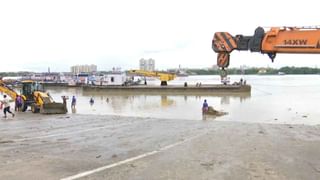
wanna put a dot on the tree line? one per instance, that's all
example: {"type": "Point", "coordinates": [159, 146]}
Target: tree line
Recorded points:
{"type": "Point", "coordinates": [254, 70]}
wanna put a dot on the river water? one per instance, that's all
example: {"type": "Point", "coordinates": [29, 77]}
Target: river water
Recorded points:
{"type": "Point", "coordinates": [292, 99]}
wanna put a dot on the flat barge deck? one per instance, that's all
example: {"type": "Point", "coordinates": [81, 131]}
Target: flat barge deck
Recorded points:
{"type": "Point", "coordinates": [175, 89]}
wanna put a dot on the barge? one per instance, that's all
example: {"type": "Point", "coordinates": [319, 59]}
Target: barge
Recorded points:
{"type": "Point", "coordinates": [173, 89]}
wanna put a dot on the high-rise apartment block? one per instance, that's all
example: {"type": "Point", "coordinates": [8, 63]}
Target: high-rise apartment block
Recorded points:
{"type": "Point", "coordinates": [83, 69]}
{"type": "Point", "coordinates": [147, 64]}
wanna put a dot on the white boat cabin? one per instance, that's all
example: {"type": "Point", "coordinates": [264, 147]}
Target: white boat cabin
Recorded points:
{"type": "Point", "coordinates": [112, 79]}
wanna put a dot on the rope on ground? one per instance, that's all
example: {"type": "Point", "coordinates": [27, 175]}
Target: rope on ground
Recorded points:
{"type": "Point", "coordinates": [275, 85]}
{"type": "Point", "coordinates": [265, 92]}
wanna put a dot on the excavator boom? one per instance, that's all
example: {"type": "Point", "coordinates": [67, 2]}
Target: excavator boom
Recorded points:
{"type": "Point", "coordinates": [163, 76]}
{"type": "Point", "coordinates": [291, 40]}
{"type": "Point", "coordinates": [276, 40]}
{"type": "Point", "coordinates": [7, 90]}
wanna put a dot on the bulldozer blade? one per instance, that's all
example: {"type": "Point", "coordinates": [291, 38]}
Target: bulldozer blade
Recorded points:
{"type": "Point", "coordinates": [53, 108]}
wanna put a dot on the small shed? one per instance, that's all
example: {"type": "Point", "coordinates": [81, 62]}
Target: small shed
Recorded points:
{"type": "Point", "coordinates": [112, 79]}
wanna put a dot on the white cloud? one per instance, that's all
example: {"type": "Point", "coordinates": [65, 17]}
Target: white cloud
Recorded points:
{"type": "Point", "coordinates": [39, 34]}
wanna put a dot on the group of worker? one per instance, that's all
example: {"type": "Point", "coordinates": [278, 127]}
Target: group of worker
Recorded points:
{"type": "Point", "coordinates": [74, 102]}
{"type": "Point", "coordinates": [241, 82]}
{"type": "Point", "coordinates": [5, 104]}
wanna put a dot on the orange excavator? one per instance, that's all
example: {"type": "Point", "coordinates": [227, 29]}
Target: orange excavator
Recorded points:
{"type": "Point", "coordinates": [275, 40]}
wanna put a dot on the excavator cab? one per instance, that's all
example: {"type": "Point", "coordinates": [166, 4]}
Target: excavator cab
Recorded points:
{"type": "Point", "coordinates": [28, 87]}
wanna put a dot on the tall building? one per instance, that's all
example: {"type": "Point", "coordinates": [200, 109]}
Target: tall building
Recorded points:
{"type": "Point", "coordinates": [147, 64]}
{"type": "Point", "coordinates": [83, 69]}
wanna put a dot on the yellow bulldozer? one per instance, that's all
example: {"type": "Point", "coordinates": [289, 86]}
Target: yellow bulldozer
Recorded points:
{"type": "Point", "coordinates": [34, 96]}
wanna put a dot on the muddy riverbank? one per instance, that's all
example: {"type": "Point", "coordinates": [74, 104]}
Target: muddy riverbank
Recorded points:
{"type": "Point", "coordinates": [34, 146]}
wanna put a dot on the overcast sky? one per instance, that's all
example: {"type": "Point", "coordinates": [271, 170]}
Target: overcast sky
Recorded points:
{"type": "Point", "coordinates": [35, 35]}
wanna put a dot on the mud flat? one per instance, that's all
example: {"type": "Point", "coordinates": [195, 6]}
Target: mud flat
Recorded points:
{"type": "Point", "coordinates": [34, 146]}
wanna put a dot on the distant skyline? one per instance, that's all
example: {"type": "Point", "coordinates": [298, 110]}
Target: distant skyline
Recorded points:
{"type": "Point", "coordinates": [38, 34]}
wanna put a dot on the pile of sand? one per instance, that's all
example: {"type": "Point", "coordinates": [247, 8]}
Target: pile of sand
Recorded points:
{"type": "Point", "coordinates": [214, 112]}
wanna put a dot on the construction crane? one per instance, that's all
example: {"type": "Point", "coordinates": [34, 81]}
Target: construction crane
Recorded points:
{"type": "Point", "coordinates": [304, 40]}
{"type": "Point", "coordinates": [33, 96]}
{"type": "Point", "coordinates": [163, 76]}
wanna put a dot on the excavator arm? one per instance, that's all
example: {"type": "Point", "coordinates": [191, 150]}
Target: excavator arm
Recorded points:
{"type": "Point", "coordinates": [7, 90]}
{"type": "Point", "coordinates": [163, 76]}
{"type": "Point", "coordinates": [276, 40]}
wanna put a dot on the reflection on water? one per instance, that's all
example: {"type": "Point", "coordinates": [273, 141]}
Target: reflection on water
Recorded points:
{"type": "Point", "coordinates": [73, 110]}
{"type": "Point", "coordinates": [161, 106]}
{"type": "Point", "coordinates": [276, 99]}
{"type": "Point", "coordinates": [165, 101]}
